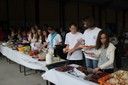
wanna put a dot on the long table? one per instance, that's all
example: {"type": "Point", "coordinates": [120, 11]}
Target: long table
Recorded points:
{"type": "Point", "coordinates": [25, 59]}
{"type": "Point", "coordinates": [64, 78]}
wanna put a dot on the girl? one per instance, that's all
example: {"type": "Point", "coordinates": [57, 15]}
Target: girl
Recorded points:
{"type": "Point", "coordinates": [45, 34]}
{"type": "Point", "coordinates": [106, 53]}
{"type": "Point", "coordinates": [71, 39]}
{"type": "Point", "coordinates": [33, 38]}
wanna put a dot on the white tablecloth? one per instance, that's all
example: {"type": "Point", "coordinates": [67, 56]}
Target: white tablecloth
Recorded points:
{"type": "Point", "coordinates": [24, 59]}
{"type": "Point", "coordinates": [64, 78]}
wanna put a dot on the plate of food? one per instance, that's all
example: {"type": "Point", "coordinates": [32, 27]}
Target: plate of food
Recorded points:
{"type": "Point", "coordinates": [4, 43]}
{"type": "Point", "coordinates": [84, 46]}
{"type": "Point", "coordinates": [64, 68]}
{"type": "Point", "coordinates": [66, 49]}
{"type": "Point", "coordinates": [117, 78]}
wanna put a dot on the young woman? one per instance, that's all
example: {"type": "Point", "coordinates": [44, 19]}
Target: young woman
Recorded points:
{"type": "Point", "coordinates": [14, 34]}
{"type": "Point", "coordinates": [39, 36]}
{"type": "Point", "coordinates": [45, 34]}
{"type": "Point", "coordinates": [33, 38]}
{"type": "Point", "coordinates": [71, 39]}
{"type": "Point", "coordinates": [39, 39]}
{"type": "Point", "coordinates": [105, 51]}
{"type": "Point", "coordinates": [24, 37]}
{"type": "Point", "coordinates": [33, 35]}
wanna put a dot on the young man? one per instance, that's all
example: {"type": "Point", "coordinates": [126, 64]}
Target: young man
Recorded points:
{"type": "Point", "coordinates": [53, 39]}
{"type": "Point", "coordinates": [71, 39]}
{"type": "Point", "coordinates": [89, 37]}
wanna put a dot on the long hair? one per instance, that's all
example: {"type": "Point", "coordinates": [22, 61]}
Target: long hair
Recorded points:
{"type": "Point", "coordinates": [38, 36]}
{"type": "Point", "coordinates": [46, 30]}
{"type": "Point", "coordinates": [33, 28]}
{"type": "Point", "coordinates": [90, 21]}
{"type": "Point", "coordinates": [99, 43]}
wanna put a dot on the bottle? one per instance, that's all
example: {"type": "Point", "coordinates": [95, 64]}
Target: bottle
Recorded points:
{"type": "Point", "coordinates": [48, 58]}
{"type": "Point", "coordinates": [51, 52]}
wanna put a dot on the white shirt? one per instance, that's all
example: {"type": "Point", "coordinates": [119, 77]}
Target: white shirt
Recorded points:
{"type": "Point", "coordinates": [57, 39]}
{"type": "Point", "coordinates": [90, 37]}
{"type": "Point", "coordinates": [34, 39]}
{"type": "Point", "coordinates": [71, 40]}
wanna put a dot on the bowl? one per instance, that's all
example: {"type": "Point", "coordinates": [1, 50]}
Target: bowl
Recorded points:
{"type": "Point", "coordinates": [4, 44]}
{"type": "Point", "coordinates": [20, 49]}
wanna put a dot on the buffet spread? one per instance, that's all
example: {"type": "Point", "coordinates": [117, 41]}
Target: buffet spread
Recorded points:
{"type": "Point", "coordinates": [73, 74]}
{"type": "Point", "coordinates": [83, 73]}
{"type": "Point", "coordinates": [22, 54]}
{"type": "Point", "coordinates": [84, 76]}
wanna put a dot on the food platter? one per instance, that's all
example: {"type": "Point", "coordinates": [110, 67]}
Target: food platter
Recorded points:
{"type": "Point", "coordinates": [66, 49]}
{"type": "Point", "coordinates": [64, 68]}
{"type": "Point", "coordinates": [82, 72]}
{"type": "Point", "coordinates": [117, 78]}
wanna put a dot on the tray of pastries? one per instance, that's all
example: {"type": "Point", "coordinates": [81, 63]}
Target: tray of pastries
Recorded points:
{"type": "Point", "coordinates": [88, 74]}
{"type": "Point", "coordinates": [83, 70]}
{"type": "Point", "coordinates": [117, 78]}
{"type": "Point", "coordinates": [94, 77]}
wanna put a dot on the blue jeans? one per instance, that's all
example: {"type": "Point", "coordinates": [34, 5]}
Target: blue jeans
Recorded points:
{"type": "Point", "coordinates": [90, 63]}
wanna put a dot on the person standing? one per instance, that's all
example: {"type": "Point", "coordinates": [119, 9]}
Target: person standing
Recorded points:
{"type": "Point", "coordinates": [54, 40]}
{"type": "Point", "coordinates": [45, 34]}
{"type": "Point", "coordinates": [71, 39]}
{"type": "Point", "coordinates": [105, 51]}
{"type": "Point", "coordinates": [89, 38]}
{"type": "Point", "coordinates": [32, 38]}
